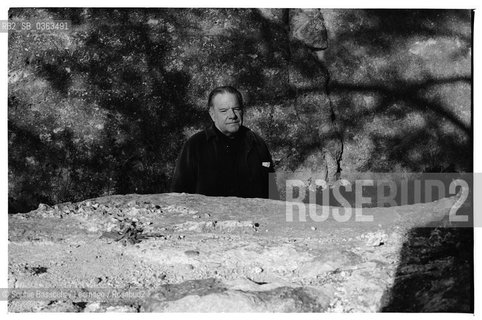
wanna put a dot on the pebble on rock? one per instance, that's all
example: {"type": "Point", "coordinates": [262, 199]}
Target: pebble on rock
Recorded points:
{"type": "Point", "coordinates": [191, 253]}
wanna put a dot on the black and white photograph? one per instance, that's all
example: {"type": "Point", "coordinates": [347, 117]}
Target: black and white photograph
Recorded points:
{"type": "Point", "coordinates": [211, 160]}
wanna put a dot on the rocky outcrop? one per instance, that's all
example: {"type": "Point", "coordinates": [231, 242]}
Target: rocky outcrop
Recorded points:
{"type": "Point", "coordinates": [179, 252]}
{"type": "Point", "coordinates": [105, 107]}
{"type": "Point", "coordinates": [401, 87]}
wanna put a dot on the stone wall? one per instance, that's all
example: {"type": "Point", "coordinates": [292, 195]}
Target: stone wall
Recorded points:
{"type": "Point", "coordinates": [104, 109]}
{"type": "Point", "coordinates": [401, 88]}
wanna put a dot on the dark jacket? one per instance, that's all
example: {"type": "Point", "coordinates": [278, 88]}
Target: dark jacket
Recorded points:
{"type": "Point", "coordinates": [214, 165]}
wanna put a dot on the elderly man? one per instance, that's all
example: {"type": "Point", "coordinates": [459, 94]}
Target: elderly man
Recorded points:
{"type": "Point", "coordinates": [226, 159]}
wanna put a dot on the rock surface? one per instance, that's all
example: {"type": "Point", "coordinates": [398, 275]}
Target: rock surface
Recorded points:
{"type": "Point", "coordinates": [401, 86]}
{"type": "Point", "coordinates": [104, 108]}
{"type": "Point", "coordinates": [179, 252]}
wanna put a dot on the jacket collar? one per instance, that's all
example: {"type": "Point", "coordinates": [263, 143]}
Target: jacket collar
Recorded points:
{"type": "Point", "coordinates": [211, 131]}
{"type": "Point", "coordinates": [247, 138]}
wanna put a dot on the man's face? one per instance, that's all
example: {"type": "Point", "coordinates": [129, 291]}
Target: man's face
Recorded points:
{"type": "Point", "coordinates": [226, 113]}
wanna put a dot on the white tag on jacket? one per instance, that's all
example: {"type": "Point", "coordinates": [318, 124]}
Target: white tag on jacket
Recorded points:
{"type": "Point", "coordinates": [265, 164]}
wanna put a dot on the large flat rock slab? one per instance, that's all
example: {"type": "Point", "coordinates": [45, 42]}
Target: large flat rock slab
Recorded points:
{"type": "Point", "coordinates": [180, 252]}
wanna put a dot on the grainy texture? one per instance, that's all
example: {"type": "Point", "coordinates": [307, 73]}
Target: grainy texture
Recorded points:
{"type": "Point", "coordinates": [183, 252]}
{"type": "Point", "coordinates": [104, 109]}
{"type": "Point", "coordinates": [401, 88]}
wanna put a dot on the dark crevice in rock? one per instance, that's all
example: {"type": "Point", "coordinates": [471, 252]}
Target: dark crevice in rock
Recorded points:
{"type": "Point", "coordinates": [36, 270]}
{"type": "Point", "coordinates": [80, 305]}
